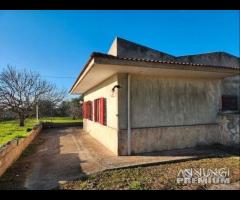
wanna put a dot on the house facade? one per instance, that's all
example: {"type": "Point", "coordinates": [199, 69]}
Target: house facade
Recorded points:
{"type": "Point", "coordinates": [137, 99]}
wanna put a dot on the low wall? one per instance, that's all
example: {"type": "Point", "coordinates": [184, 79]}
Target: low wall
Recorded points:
{"type": "Point", "coordinates": [60, 125]}
{"type": "Point", "coordinates": [12, 150]}
{"type": "Point", "coordinates": [168, 138]}
{"type": "Point", "coordinates": [229, 129]}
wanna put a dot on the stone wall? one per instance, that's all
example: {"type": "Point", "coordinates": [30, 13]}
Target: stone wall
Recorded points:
{"type": "Point", "coordinates": [229, 129]}
{"type": "Point", "coordinates": [12, 150]}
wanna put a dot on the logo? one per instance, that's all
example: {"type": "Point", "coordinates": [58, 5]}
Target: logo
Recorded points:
{"type": "Point", "coordinates": [203, 176]}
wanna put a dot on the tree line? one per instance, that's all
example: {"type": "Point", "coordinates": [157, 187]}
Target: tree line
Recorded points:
{"type": "Point", "coordinates": [21, 91]}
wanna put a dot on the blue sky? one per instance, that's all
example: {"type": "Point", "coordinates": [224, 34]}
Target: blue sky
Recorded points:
{"type": "Point", "coordinates": [58, 43]}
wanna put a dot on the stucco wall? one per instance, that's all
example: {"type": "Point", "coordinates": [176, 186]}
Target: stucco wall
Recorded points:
{"type": "Point", "coordinates": [168, 138]}
{"type": "Point", "coordinates": [105, 90]}
{"type": "Point", "coordinates": [107, 135]}
{"type": "Point", "coordinates": [229, 129]}
{"type": "Point", "coordinates": [157, 101]}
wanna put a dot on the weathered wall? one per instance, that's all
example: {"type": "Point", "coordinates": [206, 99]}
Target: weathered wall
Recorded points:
{"type": "Point", "coordinates": [108, 134]}
{"type": "Point", "coordinates": [11, 152]}
{"type": "Point", "coordinates": [168, 138]}
{"type": "Point", "coordinates": [124, 48]}
{"type": "Point", "coordinates": [214, 58]}
{"type": "Point", "coordinates": [122, 101]}
{"type": "Point", "coordinates": [157, 101]}
{"type": "Point", "coordinates": [229, 129]}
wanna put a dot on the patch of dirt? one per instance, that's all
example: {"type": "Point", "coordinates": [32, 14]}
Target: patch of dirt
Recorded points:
{"type": "Point", "coordinates": [14, 177]}
{"type": "Point", "coordinates": [160, 177]}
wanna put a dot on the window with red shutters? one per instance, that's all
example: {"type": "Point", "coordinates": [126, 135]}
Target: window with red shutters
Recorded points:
{"type": "Point", "coordinates": [87, 110]}
{"type": "Point", "coordinates": [90, 110]}
{"type": "Point", "coordinates": [95, 110]}
{"type": "Point", "coordinates": [100, 114]}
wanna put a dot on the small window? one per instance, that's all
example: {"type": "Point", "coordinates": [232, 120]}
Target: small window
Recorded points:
{"type": "Point", "coordinates": [100, 114]}
{"type": "Point", "coordinates": [229, 103]}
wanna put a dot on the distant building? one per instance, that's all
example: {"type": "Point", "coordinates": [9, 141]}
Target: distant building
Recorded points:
{"type": "Point", "coordinates": [137, 99]}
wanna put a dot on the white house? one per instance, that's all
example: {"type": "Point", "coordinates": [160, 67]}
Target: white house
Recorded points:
{"type": "Point", "coordinates": [137, 99]}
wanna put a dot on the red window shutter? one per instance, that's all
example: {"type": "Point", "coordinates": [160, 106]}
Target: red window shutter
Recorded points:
{"type": "Point", "coordinates": [102, 111]}
{"type": "Point", "coordinates": [87, 110]}
{"type": "Point", "coordinates": [98, 110]}
{"type": "Point", "coordinates": [95, 110]}
{"type": "Point", "coordinates": [90, 110]}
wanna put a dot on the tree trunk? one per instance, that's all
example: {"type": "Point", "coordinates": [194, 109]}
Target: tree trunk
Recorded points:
{"type": "Point", "coordinates": [21, 120]}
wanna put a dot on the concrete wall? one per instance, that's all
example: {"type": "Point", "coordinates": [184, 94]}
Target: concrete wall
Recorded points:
{"type": "Point", "coordinates": [168, 113]}
{"type": "Point", "coordinates": [124, 48]}
{"type": "Point", "coordinates": [229, 129]}
{"type": "Point", "coordinates": [168, 138]}
{"type": "Point", "coordinates": [157, 101]}
{"type": "Point", "coordinates": [214, 58]}
{"type": "Point", "coordinates": [107, 135]}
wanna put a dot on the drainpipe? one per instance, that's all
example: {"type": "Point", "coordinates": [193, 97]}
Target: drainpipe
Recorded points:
{"type": "Point", "coordinates": [129, 114]}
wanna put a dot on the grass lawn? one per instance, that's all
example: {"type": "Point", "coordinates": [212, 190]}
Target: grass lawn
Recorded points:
{"type": "Point", "coordinates": [10, 130]}
{"type": "Point", "coordinates": [153, 177]}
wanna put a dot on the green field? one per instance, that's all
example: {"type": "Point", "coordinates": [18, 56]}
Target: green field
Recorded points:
{"type": "Point", "coordinates": [10, 130]}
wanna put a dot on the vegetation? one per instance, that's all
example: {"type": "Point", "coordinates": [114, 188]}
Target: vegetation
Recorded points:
{"type": "Point", "coordinates": [10, 130]}
{"type": "Point", "coordinates": [158, 177]}
{"type": "Point", "coordinates": [67, 108]}
{"type": "Point", "coordinates": [20, 92]}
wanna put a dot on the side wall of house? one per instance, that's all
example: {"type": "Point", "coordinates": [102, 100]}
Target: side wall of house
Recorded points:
{"type": "Point", "coordinates": [169, 113]}
{"type": "Point", "coordinates": [107, 135]}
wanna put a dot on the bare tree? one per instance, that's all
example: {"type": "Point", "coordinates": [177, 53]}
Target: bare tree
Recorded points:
{"type": "Point", "coordinates": [21, 90]}
{"type": "Point", "coordinates": [75, 108]}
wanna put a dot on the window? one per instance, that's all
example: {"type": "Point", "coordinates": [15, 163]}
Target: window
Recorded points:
{"type": "Point", "coordinates": [87, 110]}
{"type": "Point", "coordinates": [100, 114]}
{"type": "Point", "coordinates": [229, 103]}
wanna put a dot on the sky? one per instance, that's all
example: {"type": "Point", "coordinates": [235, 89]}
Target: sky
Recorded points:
{"type": "Point", "coordinates": [58, 43]}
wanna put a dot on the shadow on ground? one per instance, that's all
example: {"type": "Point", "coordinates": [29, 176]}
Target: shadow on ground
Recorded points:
{"type": "Point", "coordinates": [66, 154]}
{"type": "Point", "coordinates": [44, 163]}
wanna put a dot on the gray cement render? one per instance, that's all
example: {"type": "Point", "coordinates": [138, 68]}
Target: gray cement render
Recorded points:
{"type": "Point", "coordinates": [157, 101]}
{"type": "Point", "coordinates": [128, 49]}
